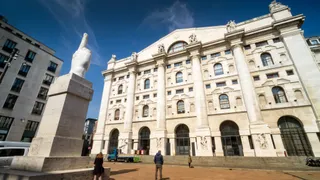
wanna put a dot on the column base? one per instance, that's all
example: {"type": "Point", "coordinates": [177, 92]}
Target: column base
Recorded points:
{"type": "Point", "coordinates": [261, 137]}
{"type": "Point", "coordinates": [125, 142]}
{"type": "Point", "coordinates": [204, 142]}
{"type": "Point", "coordinates": [44, 164]}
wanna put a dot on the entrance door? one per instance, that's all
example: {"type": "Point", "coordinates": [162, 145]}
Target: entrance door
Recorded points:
{"type": "Point", "coordinates": [144, 140]}
{"type": "Point", "coordinates": [182, 140]}
{"type": "Point", "coordinates": [294, 137]}
{"type": "Point", "coordinates": [231, 142]}
{"type": "Point", "coordinates": [113, 141]}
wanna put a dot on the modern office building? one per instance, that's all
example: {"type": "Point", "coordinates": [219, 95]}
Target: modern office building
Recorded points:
{"type": "Point", "coordinates": [250, 88]}
{"type": "Point", "coordinates": [88, 133]}
{"type": "Point", "coordinates": [25, 81]}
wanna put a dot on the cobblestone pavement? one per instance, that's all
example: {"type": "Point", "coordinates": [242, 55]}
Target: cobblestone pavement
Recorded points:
{"type": "Point", "coordinates": [130, 171]}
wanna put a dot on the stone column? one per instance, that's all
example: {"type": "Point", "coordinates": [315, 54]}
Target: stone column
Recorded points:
{"type": "Point", "coordinates": [305, 65]}
{"type": "Point", "coordinates": [314, 142]}
{"type": "Point", "coordinates": [263, 147]}
{"type": "Point", "coordinates": [125, 143]}
{"type": "Point", "coordinates": [159, 137]}
{"type": "Point", "coordinates": [203, 133]}
{"type": "Point", "coordinates": [278, 142]}
{"type": "Point", "coordinates": [218, 144]}
{"type": "Point", "coordinates": [100, 132]}
{"type": "Point", "coordinates": [247, 151]}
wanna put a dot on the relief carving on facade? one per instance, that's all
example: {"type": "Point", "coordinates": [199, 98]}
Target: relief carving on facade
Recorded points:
{"type": "Point", "coordinates": [193, 38]}
{"type": "Point", "coordinates": [274, 6]}
{"type": "Point", "coordinates": [231, 26]}
{"type": "Point", "coordinates": [161, 48]}
{"type": "Point", "coordinates": [262, 141]}
{"type": "Point", "coordinates": [134, 57]}
{"type": "Point", "coordinates": [123, 144]}
{"type": "Point", "coordinates": [204, 143]}
{"type": "Point", "coordinates": [158, 142]}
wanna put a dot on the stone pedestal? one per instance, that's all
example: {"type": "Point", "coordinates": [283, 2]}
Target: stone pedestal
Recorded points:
{"type": "Point", "coordinates": [261, 137]}
{"type": "Point", "coordinates": [58, 143]}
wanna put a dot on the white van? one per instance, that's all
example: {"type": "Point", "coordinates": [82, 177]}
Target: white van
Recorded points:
{"type": "Point", "coordinates": [10, 149]}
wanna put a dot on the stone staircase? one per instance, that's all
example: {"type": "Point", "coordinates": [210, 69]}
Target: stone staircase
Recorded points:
{"type": "Point", "coordinates": [272, 163]}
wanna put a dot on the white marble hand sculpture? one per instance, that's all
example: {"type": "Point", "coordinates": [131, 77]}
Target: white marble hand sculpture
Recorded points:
{"type": "Point", "coordinates": [81, 58]}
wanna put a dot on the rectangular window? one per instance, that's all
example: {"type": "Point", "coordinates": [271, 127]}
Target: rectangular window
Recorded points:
{"type": "Point", "coordinates": [190, 89]}
{"type": "Point", "coordinates": [3, 59]}
{"type": "Point", "coordinates": [215, 55]}
{"type": "Point", "coordinates": [9, 46]}
{"type": "Point", "coordinates": [111, 102]}
{"type": "Point", "coordinates": [37, 108]}
{"type": "Point", "coordinates": [188, 61]}
{"type": "Point", "coordinates": [208, 86]}
{"type": "Point", "coordinates": [147, 71]}
{"type": "Point", "coordinates": [30, 131]}
{"type": "Point", "coordinates": [247, 47]}
{"type": "Point", "coordinates": [168, 66]}
{"type": "Point", "coordinates": [30, 56]}
{"type": "Point", "coordinates": [250, 142]}
{"type": "Point", "coordinates": [10, 101]}
{"type": "Point", "coordinates": [314, 41]}
{"type": "Point", "coordinates": [28, 40]}
{"type": "Point", "coordinates": [19, 35]}
{"type": "Point", "coordinates": [118, 101]}
{"type": "Point", "coordinates": [262, 43]}
{"type": "Point", "coordinates": [226, 52]}
{"type": "Point", "coordinates": [5, 124]}
{"type": "Point", "coordinates": [121, 78]}
{"type": "Point", "coordinates": [37, 45]}
{"type": "Point", "coordinates": [17, 85]}
{"type": "Point", "coordinates": [43, 93]}
{"type": "Point", "coordinates": [204, 58]}
{"type": "Point", "coordinates": [221, 84]}
{"type": "Point", "coordinates": [146, 96]}
{"type": "Point", "coordinates": [24, 69]}
{"type": "Point", "coordinates": [8, 29]}
{"type": "Point", "coordinates": [272, 75]}
{"type": "Point", "coordinates": [137, 98]}
{"type": "Point", "coordinates": [276, 40]}
{"type": "Point", "coordinates": [256, 78]}
{"type": "Point", "coordinates": [155, 95]}
{"type": "Point", "coordinates": [235, 81]}
{"type": "Point", "coordinates": [178, 64]}
{"type": "Point", "coordinates": [289, 72]}
{"type": "Point", "coordinates": [155, 70]}
{"type": "Point", "coordinates": [179, 91]}
{"type": "Point", "coordinates": [52, 67]}
{"type": "Point", "coordinates": [47, 79]}
{"type": "Point", "coordinates": [169, 92]}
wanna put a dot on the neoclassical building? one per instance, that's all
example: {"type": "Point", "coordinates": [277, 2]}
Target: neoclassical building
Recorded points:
{"type": "Point", "coordinates": [242, 89]}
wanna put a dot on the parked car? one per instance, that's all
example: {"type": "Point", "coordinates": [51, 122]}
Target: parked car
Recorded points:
{"type": "Point", "coordinates": [10, 149]}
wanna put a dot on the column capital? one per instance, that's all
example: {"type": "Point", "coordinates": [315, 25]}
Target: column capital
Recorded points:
{"type": "Point", "coordinates": [235, 37]}
{"type": "Point", "coordinates": [108, 74]}
{"type": "Point", "coordinates": [131, 66]}
{"type": "Point", "coordinates": [194, 48]}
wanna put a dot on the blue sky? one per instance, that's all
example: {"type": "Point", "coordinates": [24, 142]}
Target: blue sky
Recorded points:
{"type": "Point", "coordinates": [123, 26]}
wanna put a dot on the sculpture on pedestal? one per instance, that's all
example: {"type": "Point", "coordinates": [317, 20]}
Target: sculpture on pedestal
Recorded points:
{"type": "Point", "coordinates": [134, 56]}
{"type": "Point", "coordinates": [274, 5]}
{"type": "Point", "coordinates": [161, 48]}
{"type": "Point", "coordinates": [81, 58]}
{"type": "Point", "coordinates": [231, 26]}
{"type": "Point", "coordinates": [193, 38]}
{"type": "Point", "coordinates": [113, 58]}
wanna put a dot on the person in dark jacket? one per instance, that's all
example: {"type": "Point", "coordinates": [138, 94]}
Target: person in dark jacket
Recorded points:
{"type": "Point", "coordinates": [158, 160]}
{"type": "Point", "coordinates": [98, 166]}
{"type": "Point", "coordinates": [189, 161]}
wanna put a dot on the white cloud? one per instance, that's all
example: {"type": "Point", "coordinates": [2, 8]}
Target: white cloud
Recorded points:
{"type": "Point", "coordinates": [70, 14]}
{"type": "Point", "coordinates": [174, 17]}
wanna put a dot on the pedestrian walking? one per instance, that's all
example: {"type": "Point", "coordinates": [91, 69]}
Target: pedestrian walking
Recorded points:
{"type": "Point", "coordinates": [158, 160]}
{"type": "Point", "coordinates": [98, 166]}
{"type": "Point", "coordinates": [189, 161]}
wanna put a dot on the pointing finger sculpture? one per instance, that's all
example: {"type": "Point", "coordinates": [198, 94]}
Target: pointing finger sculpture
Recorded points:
{"type": "Point", "coordinates": [81, 58]}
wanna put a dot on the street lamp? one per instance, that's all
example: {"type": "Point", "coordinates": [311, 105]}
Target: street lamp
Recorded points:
{"type": "Point", "coordinates": [13, 56]}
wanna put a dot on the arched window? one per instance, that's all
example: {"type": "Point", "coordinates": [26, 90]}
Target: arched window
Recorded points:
{"type": "Point", "coordinates": [224, 101]}
{"type": "Point", "coordinates": [145, 112]}
{"type": "Point", "coordinates": [262, 99]}
{"type": "Point", "coordinates": [279, 95]}
{"type": "Point", "coordinates": [144, 139]}
{"type": "Point", "coordinates": [120, 88]}
{"type": "Point", "coordinates": [252, 65]}
{"type": "Point", "coordinates": [182, 140]}
{"type": "Point", "coordinates": [117, 114]}
{"type": "Point", "coordinates": [218, 70]}
{"type": "Point", "coordinates": [266, 59]}
{"type": "Point", "coordinates": [230, 137]}
{"type": "Point", "coordinates": [113, 140]}
{"type": "Point", "coordinates": [179, 77]}
{"type": "Point", "coordinates": [206, 75]}
{"type": "Point", "coordinates": [231, 69]}
{"type": "Point", "coordinates": [298, 94]}
{"type": "Point", "coordinates": [147, 84]}
{"type": "Point", "coordinates": [180, 107]}
{"type": "Point", "coordinates": [178, 46]}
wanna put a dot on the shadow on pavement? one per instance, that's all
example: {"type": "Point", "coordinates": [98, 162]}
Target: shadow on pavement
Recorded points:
{"type": "Point", "coordinates": [123, 171]}
{"type": "Point", "coordinates": [165, 178]}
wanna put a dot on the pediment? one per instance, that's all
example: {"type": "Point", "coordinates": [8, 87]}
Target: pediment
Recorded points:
{"type": "Point", "coordinates": [179, 97]}
{"type": "Point", "coordinates": [216, 91]}
{"type": "Point", "coordinates": [227, 89]}
{"type": "Point", "coordinates": [117, 106]}
{"type": "Point", "coordinates": [282, 81]}
{"type": "Point", "coordinates": [145, 102]}
{"type": "Point", "coordinates": [263, 49]}
{"type": "Point", "coordinates": [268, 83]}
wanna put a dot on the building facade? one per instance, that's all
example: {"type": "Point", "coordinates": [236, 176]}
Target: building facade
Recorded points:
{"type": "Point", "coordinates": [25, 82]}
{"type": "Point", "coordinates": [314, 44]}
{"type": "Point", "coordinates": [241, 89]}
{"type": "Point", "coordinates": [88, 132]}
